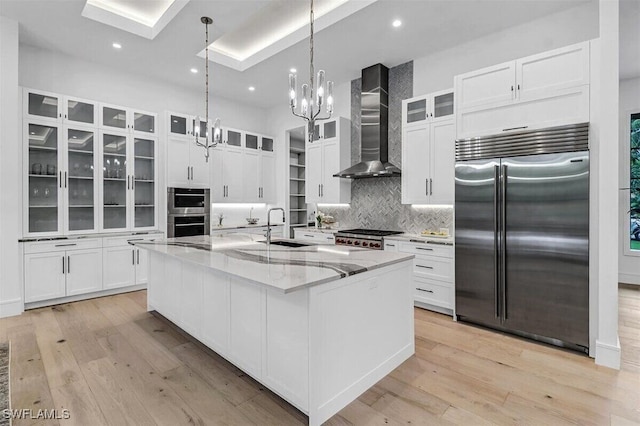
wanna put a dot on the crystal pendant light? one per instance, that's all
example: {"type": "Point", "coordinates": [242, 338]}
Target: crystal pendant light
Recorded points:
{"type": "Point", "coordinates": [311, 108]}
{"type": "Point", "coordinates": [202, 137]}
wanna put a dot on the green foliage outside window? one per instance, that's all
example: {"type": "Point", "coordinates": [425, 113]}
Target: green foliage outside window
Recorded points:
{"type": "Point", "coordinates": [634, 183]}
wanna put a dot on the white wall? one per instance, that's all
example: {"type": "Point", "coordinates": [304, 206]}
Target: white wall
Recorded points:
{"type": "Point", "coordinates": [629, 264]}
{"type": "Point", "coordinates": [10, 149]}
{"type": "Point", "coordinates": [435, 72]}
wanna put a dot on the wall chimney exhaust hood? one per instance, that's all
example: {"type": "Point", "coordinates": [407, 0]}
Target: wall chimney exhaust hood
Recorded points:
{"type": "Point", "coordinates": [374, 152]}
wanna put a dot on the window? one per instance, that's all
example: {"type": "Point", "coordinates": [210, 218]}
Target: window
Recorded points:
{"type": "Point", "coordinates": [634, 200]}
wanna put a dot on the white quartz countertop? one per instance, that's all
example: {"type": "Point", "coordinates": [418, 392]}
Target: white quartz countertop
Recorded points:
{"type": "Point", "coordinates": [421, 238]}
{"type": "Point", "coordinates": [320, 230]}
{"type": "Point", "coordinates": [243, 226]}
{"type": "Point", "coordinates": [282, 268]}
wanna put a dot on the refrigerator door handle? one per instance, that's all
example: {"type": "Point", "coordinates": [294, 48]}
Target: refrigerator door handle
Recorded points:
{"type": "Point", "coordinates": [503, 243]}
{"type": "Point", "coordinates": [496, 244]}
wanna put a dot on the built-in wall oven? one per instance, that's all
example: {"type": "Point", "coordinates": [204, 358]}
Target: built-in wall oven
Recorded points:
{"type": "Point", "coordinates": [188, 212]}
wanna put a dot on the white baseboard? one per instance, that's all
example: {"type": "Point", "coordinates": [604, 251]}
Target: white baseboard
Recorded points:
{"type": "Point", "coordinates": [608, 355]}
{"type": "Point", "coordinates": [629, 278]}
{"type": "Point", "coordinates": [9, 308]}
{"type": "Point", "coordinates": [111, 292]}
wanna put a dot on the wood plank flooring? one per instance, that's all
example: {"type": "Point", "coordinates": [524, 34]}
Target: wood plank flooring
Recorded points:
{"type": "Point", "coordinates": [109, 362]}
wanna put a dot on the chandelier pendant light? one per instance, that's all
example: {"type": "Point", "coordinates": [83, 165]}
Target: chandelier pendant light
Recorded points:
{"type": "Point", "coordinates": [310, 107]}
{"type": "Point", "coordinates": [200, 139]}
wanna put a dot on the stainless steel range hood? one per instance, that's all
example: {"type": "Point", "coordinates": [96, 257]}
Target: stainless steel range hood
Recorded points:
{"type": "Point", "coordinates": [374, 153]}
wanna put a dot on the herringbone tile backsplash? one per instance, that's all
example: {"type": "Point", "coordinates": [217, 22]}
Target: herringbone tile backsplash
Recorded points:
{"type": "Point", "coordinates": [376, 202]}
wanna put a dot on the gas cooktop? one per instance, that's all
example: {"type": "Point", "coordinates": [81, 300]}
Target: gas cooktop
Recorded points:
{"type": "Point", "coordinates": [369, 232]}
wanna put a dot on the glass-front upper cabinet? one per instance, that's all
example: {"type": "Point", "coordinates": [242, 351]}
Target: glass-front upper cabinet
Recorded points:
{"type": "Point", "coordinates": [233, 137]}
{"type": "Point", "coordinates": [144, 184]}
{"type": "Point", "coordinates": [80, 111]}
{"type": "Point", "coordinates": [428, 108]}
{"type": "Point", "coordinates": [81, 179]}
{"type": "Point", "coordinates": [45, 179]}
{"type": "Point", "coordinates": [178, 125]}
{"type": "Point", "coordinates": [42, 105]}
{"type": "Point", "coordinates": [117, 117]}
{"type": "Point", "coordinates": [416, 110]}
{"type": "Point", "coordinates": [251, 141]}
{"type": "Point", "coordinates": [442, 104]}
{"type": "Point", "coordinates": [145, 123]}
{"type": "Point", "coordinates": [266, 144]}
{"type": "Point", "coordinates": [116, 182]}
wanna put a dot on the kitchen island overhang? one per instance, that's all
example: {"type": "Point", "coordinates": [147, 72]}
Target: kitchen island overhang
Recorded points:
{"type": "Point", "coordinates": [316, 325]}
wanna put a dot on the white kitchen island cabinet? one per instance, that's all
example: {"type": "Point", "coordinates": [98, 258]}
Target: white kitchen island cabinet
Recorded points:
{"type": "Point", "coordinates": [316, 325]}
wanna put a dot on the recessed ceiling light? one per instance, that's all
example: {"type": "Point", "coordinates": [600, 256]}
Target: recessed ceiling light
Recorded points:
{"type": "Point", "coordinates": [396, 23]}
{"type": "Point", "coordinates": [251, 88]}
{"type": "Point", "coordinates": [117, 46]}
{"type": "Point", "coordinates": [194, 70]}
{"type": "Point", "coordinates": [293, 70]}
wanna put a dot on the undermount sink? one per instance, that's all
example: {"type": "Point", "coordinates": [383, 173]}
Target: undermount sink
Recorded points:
{"type": "Point", "coordinates": [287, 243]}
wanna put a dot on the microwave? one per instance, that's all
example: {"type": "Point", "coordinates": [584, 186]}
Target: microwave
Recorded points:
{"type": "Point", "coordinates": [187, 201]}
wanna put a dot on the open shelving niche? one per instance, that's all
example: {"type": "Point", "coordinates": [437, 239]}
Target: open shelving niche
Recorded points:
{"type": "Point", "coordinates": [297, 169]}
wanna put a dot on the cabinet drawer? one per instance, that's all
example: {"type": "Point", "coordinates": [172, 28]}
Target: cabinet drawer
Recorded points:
{"type": "Point", "coordinates": [435, 294]}
{"type": "Point", "coordinates": [123, 241]}
{"type": "Point", "coordinates": [61, 245]}
{"type": "Point", "coordinates": [315, 237]}
{"type": "Point", "coordinates": [433, 267]}
{"type": "Point", "coordinates": [427, 249]}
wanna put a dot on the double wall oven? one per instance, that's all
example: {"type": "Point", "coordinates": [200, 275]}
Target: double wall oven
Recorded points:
{"type": "Point", "coordinates": [188, 212]}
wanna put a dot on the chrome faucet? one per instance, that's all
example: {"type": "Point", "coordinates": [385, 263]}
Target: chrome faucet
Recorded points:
{"type": "Point", "coordinates": [269, 222]}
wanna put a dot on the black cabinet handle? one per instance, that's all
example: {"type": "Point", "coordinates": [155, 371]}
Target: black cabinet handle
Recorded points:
{"type": "Point", "coordinates": [423, 266]}
{"type": "Point", "coordinates": [427, 291]}
{"type": "Point", "coordinates": [63, 264]}
{"type": "Point", "coordinates": [68, 264]}
{"type": "Point", "coordinates": [133, 257]}
{"type": "Point", "coordinates": [424, 248]}
{"type": "Point", "coordinates": [138, 256]}
{"type": "Point", "coordinates": [514, 128]}
{"type": "Point", "coordinates": [65, 245]}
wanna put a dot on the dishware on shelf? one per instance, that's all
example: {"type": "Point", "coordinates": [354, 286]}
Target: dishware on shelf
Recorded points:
{"type": "Point", "coordinates": [252, 220]}
{"type": "Point", "coordinates": [36, 169]}
{"type": "Point", "coordinates": [51, 169]}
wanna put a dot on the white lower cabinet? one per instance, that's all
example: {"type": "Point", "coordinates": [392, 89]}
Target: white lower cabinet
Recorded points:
{"type": "Point", "coordinates": [432, 273]}
{"type": "Point", "coordinates": [124, 265]}
{"type": "Point", "coordinates": [74, 267]}
{"type": "Point", "coordinates": [54, 270]}
{"type": "Point", "coordinates": [314, 236]}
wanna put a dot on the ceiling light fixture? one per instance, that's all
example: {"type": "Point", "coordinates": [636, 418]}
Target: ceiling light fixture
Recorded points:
{"type": "Point", "coordinates": [117, 46]}
{"type": "Point", "coordinates": [251, 88]}
{"type": "Point", "coordinates": [397, 23]}
{"type": "Point", "coordinates": [322, 93]}
{"type": "Point", "coordinates": [194, 70]}
{"type": "Point", "coordinates": [293, 70]}
{"type": "Point", "coordinates": [217, 132]}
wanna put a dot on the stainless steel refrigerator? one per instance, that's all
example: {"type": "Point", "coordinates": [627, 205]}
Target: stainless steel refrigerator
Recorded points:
{"type": "Point", "coordinates": [522, 234]}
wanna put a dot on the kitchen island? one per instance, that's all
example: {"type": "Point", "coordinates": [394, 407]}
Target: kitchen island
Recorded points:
{"type": "Point", "coordinates": [318, 325]}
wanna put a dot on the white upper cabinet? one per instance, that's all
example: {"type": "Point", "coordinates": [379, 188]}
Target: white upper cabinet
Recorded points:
{"type": "Point", "coordinates": [187, 166]}
{"type": "Point", "coordinates": [543, 90]}
{"type": "Point", "coordinates": [113, 117]}
{"type": "Point", "coordinates": [80, 179]}
{"type": "Point", "coordinates": [45, 106]}
{"type": "Point", "coordinates": [328, 153]}
{"type": "Point", "coordinates": [428, 150]}
{"type": "Point", "coordinates": [243, 168]}
{"type": "Point", "coordinates": [428, 108]}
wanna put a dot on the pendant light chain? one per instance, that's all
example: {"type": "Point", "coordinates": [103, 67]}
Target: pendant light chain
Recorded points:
{"type": "Point", "coordinates": [311, 63]}
{"type": "Point", "coordinates": [206, 72]}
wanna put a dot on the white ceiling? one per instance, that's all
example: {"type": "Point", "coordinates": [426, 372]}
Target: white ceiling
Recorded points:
{"type": "Point", "coordinates": [343, 49]}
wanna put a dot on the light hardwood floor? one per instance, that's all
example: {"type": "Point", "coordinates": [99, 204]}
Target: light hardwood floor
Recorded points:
{"type": "Point", "coordinates": [108, 361]}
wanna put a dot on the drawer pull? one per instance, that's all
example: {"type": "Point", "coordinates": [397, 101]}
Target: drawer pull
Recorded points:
{"type": "Point", "coordinates": [66, 245]}
{"type": "Point", "coordinates": [310, 236]}
{"type": "Point", "coordinates": [427, 291]}
{"type": "Point", "coordinates": [391, 245]}
{"type": "Point", "coordinates": [424, 248]}
{"type": "Point", "coordinates": [135, 239]}
{"type": "Point", "coordinates": [423, 266]}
